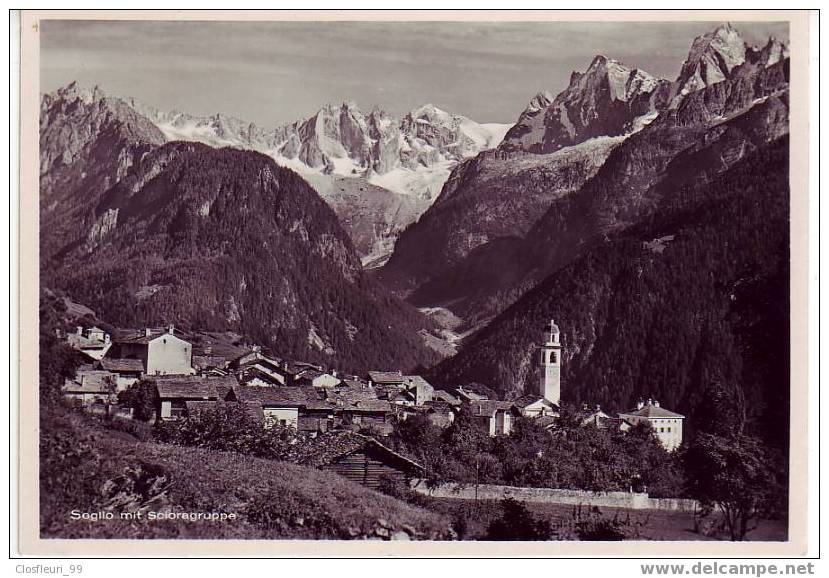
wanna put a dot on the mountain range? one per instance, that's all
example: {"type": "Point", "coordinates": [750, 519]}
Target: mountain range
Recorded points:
{"type": "Point", "coordinates": [343, 152]}
{"type": "Point", "coordinates": [648, 216]}
{"type": "Point", "coordinates": [570, 176]}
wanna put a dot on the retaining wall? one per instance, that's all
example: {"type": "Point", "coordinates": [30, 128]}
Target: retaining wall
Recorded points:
{"type": "Point", "coordinates": [632, 500]}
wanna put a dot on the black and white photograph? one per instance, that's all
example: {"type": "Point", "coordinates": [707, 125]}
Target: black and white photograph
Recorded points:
{"type": "Point", "coordinates": [482, 280]}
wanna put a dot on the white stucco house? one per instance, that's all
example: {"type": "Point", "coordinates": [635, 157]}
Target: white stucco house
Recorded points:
{"type": "Point", "coordinates": [161, 351]}
{"type": "Point", "coordinates": [666, 424]}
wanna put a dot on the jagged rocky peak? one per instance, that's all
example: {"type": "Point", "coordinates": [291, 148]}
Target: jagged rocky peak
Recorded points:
{"type": "Point", "coordinates": [712, 58]}
{"type": "Point", "coordinates": [622, 82]}
{"type": "Point", "coordinates": [541, 100]}
{"type": "Point", "coordinates": [773, 52]}
{"type": "Point", "coordinates": [604, 100]}
{"type": "Point", "coordinates": [75, 91]}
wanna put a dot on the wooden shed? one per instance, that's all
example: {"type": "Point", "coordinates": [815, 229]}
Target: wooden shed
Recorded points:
{"type": "Point", "coordinates": [363, 460]}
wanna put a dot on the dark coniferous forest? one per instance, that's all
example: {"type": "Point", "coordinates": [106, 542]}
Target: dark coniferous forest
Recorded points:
{"type": "Point", "coordinates": [695, 296]}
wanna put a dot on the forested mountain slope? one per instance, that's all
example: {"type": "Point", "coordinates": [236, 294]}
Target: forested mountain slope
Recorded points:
{"type": "Point", "coordinates": [227, 240]}
{"type": "Point", "coordinates": [695, 295]}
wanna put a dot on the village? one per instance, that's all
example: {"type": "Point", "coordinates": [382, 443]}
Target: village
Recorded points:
{"type": "Point", "coordinates": [187, 379]}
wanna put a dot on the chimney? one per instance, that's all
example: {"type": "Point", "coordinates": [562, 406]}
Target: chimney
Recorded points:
{"type": "Point", "coordinates": [147, 332]}
{"type": "Point", "coordinates": [656, 404]}
{"type": "Point", "coordinates": [79, 330]}
{"type": "Point", "coordinates": [171, 328]}
{"type": "Point", "coordinates": [640, 404]}
{"type": "Point", "coordinates": [106, 338]}
{"type": "Point", "coordinates": [208, 350]}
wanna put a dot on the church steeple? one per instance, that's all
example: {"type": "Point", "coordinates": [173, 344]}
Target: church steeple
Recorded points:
{"type": "Point", "coordinates": [550, 384]}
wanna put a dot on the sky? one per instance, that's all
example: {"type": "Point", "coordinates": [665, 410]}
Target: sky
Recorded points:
{"type": "Point", "coordinates": [273, 73]}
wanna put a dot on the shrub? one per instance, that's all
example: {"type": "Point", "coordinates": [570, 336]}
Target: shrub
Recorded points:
{"type": "Point", "coordinates": [229, 427]}
{"type": "Point", "coordinates": [140, 430]}
{"type": "Point", "coordinates": [589, 524]}
{"type": "Point", "coordinates": [518, 523]}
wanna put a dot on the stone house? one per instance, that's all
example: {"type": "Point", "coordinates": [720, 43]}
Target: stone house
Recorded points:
{"type": "Point", "coordinates": [94, 342]}
{"type": "Point", "coordinates": [175, 391]}
{"type": "Point", "coordinates": [535, 406]}
{"type": "Point", "coordinates": [495, 416]}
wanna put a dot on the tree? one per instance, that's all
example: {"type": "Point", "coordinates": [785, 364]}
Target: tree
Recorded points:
{"type": "Point", "coordinates": [721, 410]}
{"type": "Point", "coordinates": [735, 475]}
{"type": "Point", "coordinates": [141, 397]}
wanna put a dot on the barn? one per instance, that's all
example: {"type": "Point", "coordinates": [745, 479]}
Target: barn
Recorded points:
{"type": "Point", "coordinates": [362, 459]}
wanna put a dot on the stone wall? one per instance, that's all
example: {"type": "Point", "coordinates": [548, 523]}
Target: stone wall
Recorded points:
{"type": "Point", "coordinates": [632, 500]}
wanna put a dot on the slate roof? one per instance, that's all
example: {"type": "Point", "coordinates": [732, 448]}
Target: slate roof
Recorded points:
{"type": "Point", "coordinates": [122, 365]}
{"type": "Point", "coordinates": [70, 386]}
{"type": "Point", "coordinates": [282, 396]}
{"type": "Point", "coordinates": [331, 447]}
{"type": "Point", "coordinates": [442, 395]}
{"type": "Point", "coordinates": [81, 342]}
{"type": "Point", "coordinates": [355, 383]}
{"type": "Point", "coordinates": [369, 406]}
{"type": "Point", "coordinates": [194, 387]}
{"type": "Point", "coordinates": [350, 395]}
{"type": "Point", "coordinates": [610, 422]}
{"type": "Point", "coordinates": [469, 394]}
{"type": "Point", "coordinates": [414, 381]}
{"type": "Point", "coordinates": [652, 411]}
{"type": "Point", "coordinates": [92, 376]}
{"type": "Point", "coordinates": [488, 407]}
{"type": "Point", "coordinates": [545, 420]}
{"type": "Point", "coordinates": [526, 400]}
{"type": "Point", "coordinates": [386, 377]}
{"type": "Point", "coordinates": [207, 361]}
{"type": "Point", "coordinates": [140, 337]}
{"type": "Point", "coordinates": [252, 408]}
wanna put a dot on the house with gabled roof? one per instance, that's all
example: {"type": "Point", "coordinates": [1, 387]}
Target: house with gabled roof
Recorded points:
{"type": "Point", "coordinates": [175, 391]}
{"type": "Point", "coordinates": [466, 394]}
{"type": "Point", "coordinates": [317, 378]}
{"type": "Point", "coordinates": [596, 417]}
{"type": "Point", "coordinates": [93, 342]}
{"type": "Point", "coordinates": [301, 408]}
{"type": "Point", "coordinates": [394, 378]}
{"type": "Point", "coordinates": [495, 416]}
{"type": "Point", "coordinates": [90, 386]}
{"type": "Point", "coordinates": [161, 351]}
{"type": "Point", "coordinates": [535, 406]}
{"type": "Point", "coordinates": [445, 396]}
{"type": "Point", "coordinates": [127, 371]}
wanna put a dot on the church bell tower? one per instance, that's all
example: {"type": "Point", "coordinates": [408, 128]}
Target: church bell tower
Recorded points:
{"type": "Point", "coordinates": [550, 386]}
